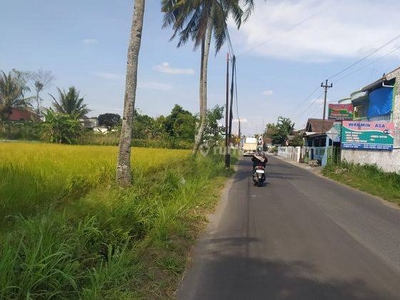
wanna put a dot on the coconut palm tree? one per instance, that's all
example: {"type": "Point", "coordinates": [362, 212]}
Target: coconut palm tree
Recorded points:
{"type": "Point", "coordinates": [200, 21]}
{"type": "Point", "coordinates": [70, 103]}
{"type": "Point", "coordinates": [124, 175]}
{"type": "Point", "coordinates": [12, 90]}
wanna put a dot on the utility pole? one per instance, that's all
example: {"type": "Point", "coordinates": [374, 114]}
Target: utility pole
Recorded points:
{"type": "Point", "coordinates": [227, 154]}
{"type": "Point", "coordinates": [231, 106]}
{"type": "Point", "coordinates": [326, 87]}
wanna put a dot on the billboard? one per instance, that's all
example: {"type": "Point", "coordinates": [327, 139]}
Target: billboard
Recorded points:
{"type": "Point", "coordinates": [367, 135]}
{"type": "Point", "coordinates": [340, 111]}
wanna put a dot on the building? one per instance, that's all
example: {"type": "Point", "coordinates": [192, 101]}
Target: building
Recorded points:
{"type": "Point", "coordinates": [316, 139]}
{"type": "Point", "coordinates": [379, 103]}
{"type": "Point", "coordinates": [18, 114]}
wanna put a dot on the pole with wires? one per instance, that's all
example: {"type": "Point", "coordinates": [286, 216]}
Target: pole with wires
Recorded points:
{"type": "Point", "coordinates": [227, 154]}
{"type": "Point", "coordinates": [325, 86]}
{"type": "Point", "coordinates": [231, 107]}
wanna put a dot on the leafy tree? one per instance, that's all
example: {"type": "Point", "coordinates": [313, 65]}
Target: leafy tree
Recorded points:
{"type": "Point", "coordinates": [123, 172]}
{"type": "Point", "coordinates": [213, 131]}
{"type": "Point", "coordinates": [159, 130]}
{"type": "Point", "coordinates": [109, 120]}
{"type": "Point", "coordinates": [280, 131]}
{"type": "Point", "coordinates": [12, 93]}
{"type": "Point", "coordinates": [60, 127]}
{"type": "Point", "coordinates": [143, 126]}
{"type": "Point", "coordinates": [200, 21]}
{"type": "Point", "coordinates": [70, 103]}
{"type": "Point", "coordinates": [180, 123]}
{"type": "Point", "coordinates": [271, 131]}
{"type": "Point", "coordinates": [297, 140]}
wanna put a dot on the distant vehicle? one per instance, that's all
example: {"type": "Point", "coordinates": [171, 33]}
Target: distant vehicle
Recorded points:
{"type": "Point", "coordinates": [250, 146]}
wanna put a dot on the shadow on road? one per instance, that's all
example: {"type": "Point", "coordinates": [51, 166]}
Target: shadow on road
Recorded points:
{"type": "Point", "coordinates": [246, 278]}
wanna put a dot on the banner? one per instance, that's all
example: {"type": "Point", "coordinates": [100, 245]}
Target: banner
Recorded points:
{"type": "Point", "coordinates": [334, 132]}
{"type": "Point", "coordinates": [367, 135]}
{"type": "Point", "coordinates": [340, 111]}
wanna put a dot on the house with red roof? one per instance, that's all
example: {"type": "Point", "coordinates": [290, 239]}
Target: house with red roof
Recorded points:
{"type": "Point", "coordinates": [18, 114]}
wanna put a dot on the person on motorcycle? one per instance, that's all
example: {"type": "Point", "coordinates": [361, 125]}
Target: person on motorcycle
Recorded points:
{"type": "Point", "coordinates": [259, 159]}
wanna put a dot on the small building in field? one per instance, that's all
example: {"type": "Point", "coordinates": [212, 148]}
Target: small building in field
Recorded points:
{"type": "Point", "coordinates": [19, 114]}
{"type": "Point", "coordinates": [89, 123]}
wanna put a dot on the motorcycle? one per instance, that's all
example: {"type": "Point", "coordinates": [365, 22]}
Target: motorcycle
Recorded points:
{"type": "Point", "coordinates": [259, 175]}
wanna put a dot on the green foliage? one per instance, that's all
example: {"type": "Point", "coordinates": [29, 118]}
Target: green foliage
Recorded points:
{"type": "Point", "coordinates": [180, 123]}
{"type": "Point", "coordinates": [61, 128]}
{"type": "Point", "coordinates": [368, 178]}
{"type": "Point", "coordinates": [69, 103]}
{"type": "Point", "coordinates": [108, 243]}
{"type": "Point", "coordinates": [213, 131]}
{"type": "Point", "coordinates": [187, 19]}
{"type": "Point", "coordinates": [297, 141]}
{"type": "Point", "coordinates": [109, 120]}
{"type": "Point", "coordinates": [21, 130]}
{"type": "Point", "coordinates": [145, 127]}
{"type": "Point", "coordinates": [12, 90]}
{"type": "Point", "coordinates": [279, 132]}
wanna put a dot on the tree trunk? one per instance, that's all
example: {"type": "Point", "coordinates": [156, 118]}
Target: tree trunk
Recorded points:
{"type": "Point", "coordinates": [124, 175]}
{"type": "Point", "coordinates": [205, 50]}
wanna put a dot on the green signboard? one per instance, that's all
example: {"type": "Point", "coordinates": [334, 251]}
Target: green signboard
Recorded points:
{"type": "Point", "coordinates": [367, 135]}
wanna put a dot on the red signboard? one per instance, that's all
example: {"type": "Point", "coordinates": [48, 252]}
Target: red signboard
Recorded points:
{"type": "Point", "coordinates": [340, 112]}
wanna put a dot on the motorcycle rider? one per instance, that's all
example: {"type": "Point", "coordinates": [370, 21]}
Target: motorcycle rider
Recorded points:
{"type": "Point", "coordinates": [259, 159]}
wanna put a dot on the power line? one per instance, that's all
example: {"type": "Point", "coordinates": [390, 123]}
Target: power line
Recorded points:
{"type": "Point", "coordinates": [352, 65]}
{"type": "Point", "coordinates": [365, 57]}
{"type": "Point", "coordinates": [302, 102]}
{"type": "Point", "coordinates": [290, 29]}
{"type": "Point", "coordinates": [301, 114]}
{"type": "Point", "coordinates": [359, 69]}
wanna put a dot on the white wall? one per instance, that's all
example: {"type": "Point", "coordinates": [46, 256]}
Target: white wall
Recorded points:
{"type": "Point", "coordinates": [389, 161]}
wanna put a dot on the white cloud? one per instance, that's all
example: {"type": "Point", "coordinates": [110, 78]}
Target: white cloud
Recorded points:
{"type": "Point", "coordinates": [165, 67]}
{"type": "Point", "coordinates": [268, 92]}
{"type": "Point", "coordinates": [105, 75]}
{"type": "Point", "coordinates": [312, 30]}
{"type": "Point", "coordinates": [151, 85]}
{"type": "Point", "coordinates": [90, 42]}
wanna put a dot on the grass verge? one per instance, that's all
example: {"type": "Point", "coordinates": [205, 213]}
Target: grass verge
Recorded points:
{"type": "Point", "coordinates": [367, 178]}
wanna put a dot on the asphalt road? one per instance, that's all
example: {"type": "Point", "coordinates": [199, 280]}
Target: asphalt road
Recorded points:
{"type": "Point", "coordinates": [300, 236]}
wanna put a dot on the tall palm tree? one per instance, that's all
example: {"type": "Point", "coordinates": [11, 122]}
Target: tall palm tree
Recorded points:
{"type": "Point", "coordinates": [200, 21]}
{"type": "Point", "coordinates": [70, 103]}
{"type": "Point", "coordinates": [124, 176]}
{"type": "Point", "coordinates": [12, 91]}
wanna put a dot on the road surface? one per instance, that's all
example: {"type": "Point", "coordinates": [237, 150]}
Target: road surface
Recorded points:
{"type": "Point", "coordinates": [300, 236]}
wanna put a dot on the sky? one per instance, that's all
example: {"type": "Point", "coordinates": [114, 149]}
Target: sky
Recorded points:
{"type": "Point", "coordinates": [284, 51]}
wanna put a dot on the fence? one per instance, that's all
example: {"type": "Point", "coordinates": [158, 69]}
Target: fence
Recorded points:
{"type": "Point", "coordinates": [304, 154]}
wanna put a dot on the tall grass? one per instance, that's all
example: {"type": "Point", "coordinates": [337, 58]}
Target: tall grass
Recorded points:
{"type": "Point", "coordinates": [368, 178]}
{"type": "Point", "coordinates": [33, 176]}
{"type": "Point", "coordinates": [69, 233]}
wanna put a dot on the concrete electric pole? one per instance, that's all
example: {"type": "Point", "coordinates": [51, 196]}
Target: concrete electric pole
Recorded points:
{"type": "Point", "coordinates": [325, 86]}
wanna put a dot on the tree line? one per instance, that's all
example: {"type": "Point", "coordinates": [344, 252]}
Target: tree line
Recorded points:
{"type": "Point", "coordinates": [62, 122]}
{"type": "Point", "coordinates": [198, 21]}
